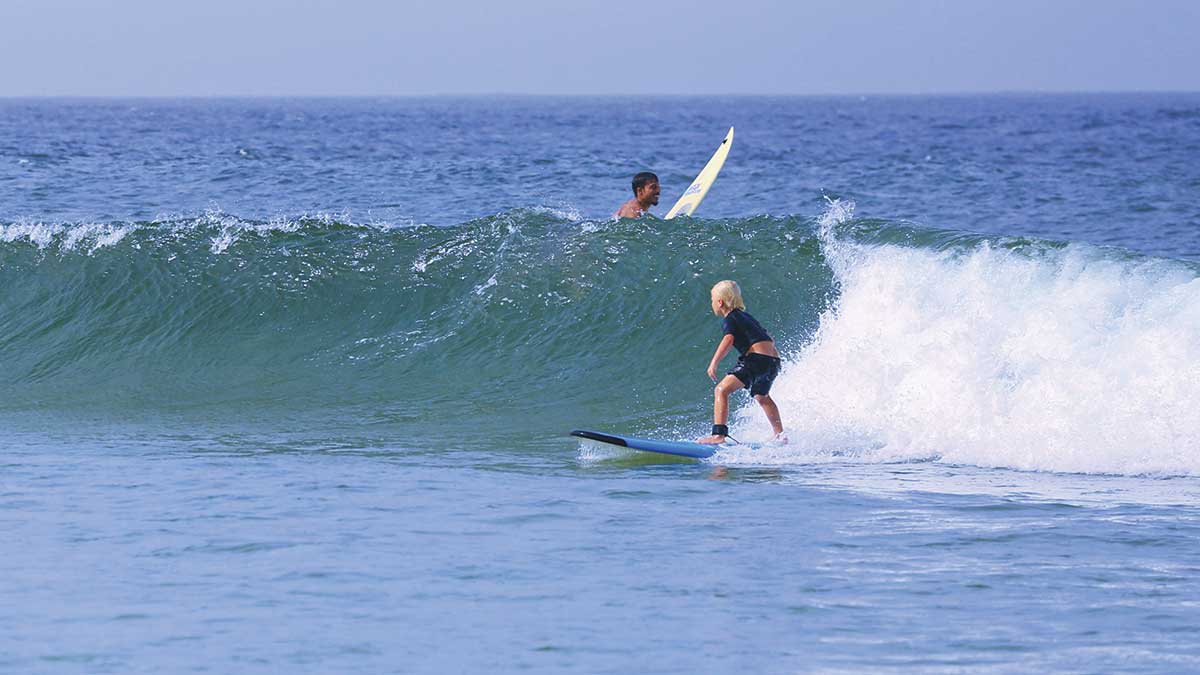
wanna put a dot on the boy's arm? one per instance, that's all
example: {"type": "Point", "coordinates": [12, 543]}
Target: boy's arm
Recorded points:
{"type": "Point", "coordinates": [722, 350]}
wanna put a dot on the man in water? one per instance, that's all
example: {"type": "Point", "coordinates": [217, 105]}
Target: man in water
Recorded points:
{"type": "Point", "coordinates": [645, 195]}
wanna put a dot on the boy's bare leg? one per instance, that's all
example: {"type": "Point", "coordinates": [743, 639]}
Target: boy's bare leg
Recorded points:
{"type": "Point", "coordinates": [721, 392]}
{"type": "Point", "coordinates": [772, 411]}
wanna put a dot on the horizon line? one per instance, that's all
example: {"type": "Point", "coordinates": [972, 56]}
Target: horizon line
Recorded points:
{"type": "Point", "coordinates": [502, 94]}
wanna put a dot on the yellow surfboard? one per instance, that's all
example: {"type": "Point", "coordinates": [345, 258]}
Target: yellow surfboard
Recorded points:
{"type": "Point", "coordinates": [695, 193]}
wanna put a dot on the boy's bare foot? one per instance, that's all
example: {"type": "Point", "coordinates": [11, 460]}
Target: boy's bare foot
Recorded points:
{"type": "Point", "coordinates": [779, 439]}
{"type": "Point", "coordinates": [711, 440]}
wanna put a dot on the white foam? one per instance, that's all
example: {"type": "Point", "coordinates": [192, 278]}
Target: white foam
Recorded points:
{"type": "Point", "coordinates": [39, 234]}
{"type": "Point", "coordinates": [88, 237]}
{"type": "Point", "coordinates": [481, 288]}
{"type": "Point", "coordinates": [563, 211]}
{"type": "Point", "coordinates": [1065, 360]}
{"type": "Point", "coordinates": [230, 228]}
{"type": "Point", "coordinates": [593, 452]}
{"type": "Point", "coordinates": [227, 229]}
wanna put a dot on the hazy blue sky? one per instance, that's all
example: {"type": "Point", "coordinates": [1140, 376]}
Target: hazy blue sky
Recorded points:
{"type": "Point", "coordinates": [303, 47]}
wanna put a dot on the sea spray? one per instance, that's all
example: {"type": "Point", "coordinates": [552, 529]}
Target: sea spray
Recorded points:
{"type": "Point", "coordinates": [1043, 358]}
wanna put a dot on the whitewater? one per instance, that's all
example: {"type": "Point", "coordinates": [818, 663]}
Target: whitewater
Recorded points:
{"type": "Point", "coordinates": [1028, 356]}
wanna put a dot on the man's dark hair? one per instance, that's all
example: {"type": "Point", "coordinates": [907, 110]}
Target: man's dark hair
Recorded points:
{"type": "Point", "coordinates": [642, 179]}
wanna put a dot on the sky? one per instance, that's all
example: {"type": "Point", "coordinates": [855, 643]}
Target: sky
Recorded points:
{"type": "Point", "coordinates": [572, 47]}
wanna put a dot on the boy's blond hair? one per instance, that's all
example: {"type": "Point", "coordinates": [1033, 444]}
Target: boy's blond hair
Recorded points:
{"type": "Point", "coordinates": [729, 291]}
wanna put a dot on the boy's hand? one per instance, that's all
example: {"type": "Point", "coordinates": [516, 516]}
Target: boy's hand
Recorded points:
{"type": "Point", "coordinates": [712, 373]}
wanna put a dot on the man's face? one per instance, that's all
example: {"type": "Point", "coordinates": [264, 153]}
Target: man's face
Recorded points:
{"type": "Point", "coordinates": [649, 192]}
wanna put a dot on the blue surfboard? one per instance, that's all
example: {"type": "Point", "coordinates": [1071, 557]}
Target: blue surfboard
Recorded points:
{"type": "Point", "coordinates": [678, 448]}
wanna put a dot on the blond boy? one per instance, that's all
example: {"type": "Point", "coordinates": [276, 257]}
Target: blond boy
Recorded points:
{"type": "Point", "coordinates": [757, 366]}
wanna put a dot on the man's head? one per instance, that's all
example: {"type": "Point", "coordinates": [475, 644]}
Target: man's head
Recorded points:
{"type": "Point", "coordinates": [645, 188]}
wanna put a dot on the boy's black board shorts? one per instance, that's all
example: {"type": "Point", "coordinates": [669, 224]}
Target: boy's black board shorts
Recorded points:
{"type": "Point", "coordinates": [757, 372]}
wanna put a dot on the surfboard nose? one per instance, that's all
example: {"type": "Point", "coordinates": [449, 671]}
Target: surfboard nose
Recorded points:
{"type": "Point", "coordinates": [696, 192]}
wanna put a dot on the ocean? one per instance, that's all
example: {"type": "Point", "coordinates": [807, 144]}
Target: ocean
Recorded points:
{"type": "Point", "coordinates": [286, 386]}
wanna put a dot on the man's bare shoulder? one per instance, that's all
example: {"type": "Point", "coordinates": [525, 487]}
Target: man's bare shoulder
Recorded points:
{"type": "Point", "coordinates": [630, 209]}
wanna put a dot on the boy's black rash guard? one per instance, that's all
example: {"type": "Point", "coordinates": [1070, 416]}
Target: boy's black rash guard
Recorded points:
{"type": "Point", "coordinates": [745, 330]}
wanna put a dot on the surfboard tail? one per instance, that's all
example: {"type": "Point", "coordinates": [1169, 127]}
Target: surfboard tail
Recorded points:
{"type": "Point", "coordinates": [677, 448]}
{"type": "Point", "coordinates": [597, 436]}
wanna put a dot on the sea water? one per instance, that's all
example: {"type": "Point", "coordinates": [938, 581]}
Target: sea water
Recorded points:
{"type": "Point", "coordinates": [285, 386]}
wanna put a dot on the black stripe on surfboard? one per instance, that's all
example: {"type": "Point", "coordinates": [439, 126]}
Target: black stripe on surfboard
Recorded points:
{"type": "Point", "coordinates": [603, 438]}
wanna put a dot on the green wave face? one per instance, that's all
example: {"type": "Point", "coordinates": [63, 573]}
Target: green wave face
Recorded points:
{"type": "Point", "coordinates": [525, 318]}
{"type": "Point", "coordinates": [899, 342]}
